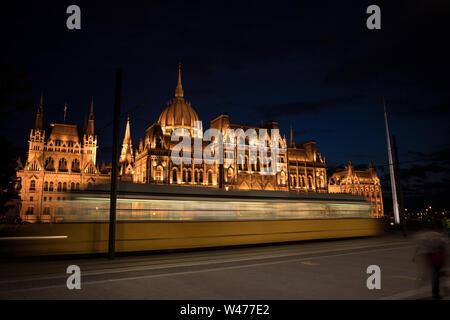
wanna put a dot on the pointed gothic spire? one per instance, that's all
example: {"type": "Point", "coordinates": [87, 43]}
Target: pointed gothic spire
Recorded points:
{"type": "Point", "coordinates": [91, 114]}
{"type": "Point", "coordinates": [179, 90]}
{"type": "Point", "coordinates": [39, 123]}
{"type": "Point", "coordinates": [127, 148]}
{"type": "Point", "coordinates": [19, 164]}
{"type": "Point", "coordinates": [292, 141]}
{"type": "Point", "coordinates": [371, 168]}
{"type": "Point", "coordinates": [90, 127]}
{"type": "Point", "coordinates": [350, 167]}
{"type": "Point", "coordinates": [127, 138]}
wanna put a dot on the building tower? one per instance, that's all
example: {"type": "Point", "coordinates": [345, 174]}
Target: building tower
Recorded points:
{"type": "Point", "coordinates": [36, 142]}
{"type": "Point", "coordinates": [90, 145]}
{"type": "Point", "coordinates": [126, 161]}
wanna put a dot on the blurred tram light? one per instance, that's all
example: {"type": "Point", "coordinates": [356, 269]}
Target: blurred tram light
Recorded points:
{"type": "Point", "coordinates": [164, 218]}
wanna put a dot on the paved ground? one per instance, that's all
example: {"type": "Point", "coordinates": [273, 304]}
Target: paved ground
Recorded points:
{"type": "Point", "coordinates": [308, 270]}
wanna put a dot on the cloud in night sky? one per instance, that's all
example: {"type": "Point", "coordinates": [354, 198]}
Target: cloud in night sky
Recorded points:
{"type": "Point", "coordinates": [274, 111]}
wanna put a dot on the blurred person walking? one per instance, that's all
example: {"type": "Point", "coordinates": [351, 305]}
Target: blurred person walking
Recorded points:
{"type": "Point", "coordinates": [446, 226]}
{"type": "Point", "coordinates": [430, 254]}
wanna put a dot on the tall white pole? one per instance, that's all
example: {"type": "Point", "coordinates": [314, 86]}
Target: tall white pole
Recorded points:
{"type": "Point", "coordinates": [391, 169]}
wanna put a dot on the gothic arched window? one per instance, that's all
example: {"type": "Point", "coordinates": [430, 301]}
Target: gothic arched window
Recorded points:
{"type": "Point", "coordinates": [241, 162]}
{"type": "Point", "coordinates": [32, 185]}
{"type": "Point", "coordinates": [310, 183]}
{"type": "Point", "coordinates": [49, 165]}
{"type": "Point", "coordinates": [62, 164]}
{"type": "Point", "coordinates": [158, 143]}
{"type": "Point", "coordinates": [174, 176]}
{"type": "Point", "coordinates": [241, 142]}
{"type": "Point", "coordinates": [33, 166]}
{"type": "Point", "coordinates": [90, 169]}
{"type": "Point", "coordinates": [76, 165]}
{"type": "Point", "coordinates": [159, 174]}
{"type": "Point", "coordinates": [230, 174]}
{"type": "Point", "coordinates": [283, 177]}
{"type": "Point", "coordinates": [210, 177]}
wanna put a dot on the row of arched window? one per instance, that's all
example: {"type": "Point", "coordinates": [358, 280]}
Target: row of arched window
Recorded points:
{"type": "Point", "coordinates": [61, 186]}
{"type": "Point", "coordinates": [252, 165]}
{"type": "Point", "coordinates": [62, 165]}
{"type": "Point", "coordinates": [300, 181]}
{"type": "Point", "coordinates": [189, 176]}
{"type": "Point", "coordinates": [242, 142]}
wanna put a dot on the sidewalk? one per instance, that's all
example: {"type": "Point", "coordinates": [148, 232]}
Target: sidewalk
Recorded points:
{"type": "Point", "coordinates": [423, 293]}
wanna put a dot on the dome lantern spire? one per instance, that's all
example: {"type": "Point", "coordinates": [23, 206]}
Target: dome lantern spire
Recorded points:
{"type": "Point", "coordinates": [39, 124]}
{"type": "Point", "coordinates": [179, 90]}
{"type": "Point", "coordinates": [179, 113]}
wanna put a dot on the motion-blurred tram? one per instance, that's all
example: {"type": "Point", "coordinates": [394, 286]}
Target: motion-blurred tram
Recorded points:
{"type": "Point", "coordinates": [157, 217]}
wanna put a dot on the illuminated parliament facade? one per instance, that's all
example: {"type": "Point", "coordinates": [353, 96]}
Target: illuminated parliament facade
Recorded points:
{"type": "Point", "coordinates": [62, 158]}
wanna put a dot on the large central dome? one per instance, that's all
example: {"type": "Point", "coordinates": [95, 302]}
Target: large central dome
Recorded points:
{"type": "Point", "coordinates": [178, 113]}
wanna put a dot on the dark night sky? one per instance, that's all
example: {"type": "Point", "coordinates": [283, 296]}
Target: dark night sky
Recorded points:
{"type": "Point", "coordinates": [311, 64]}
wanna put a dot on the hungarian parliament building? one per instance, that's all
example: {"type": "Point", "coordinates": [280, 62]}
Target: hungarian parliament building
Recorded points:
{"type": "Point", "coordinates": [63, 157]}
